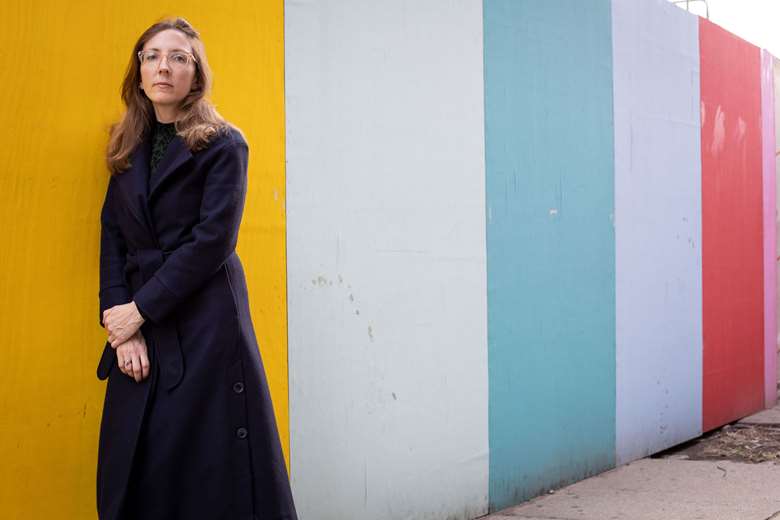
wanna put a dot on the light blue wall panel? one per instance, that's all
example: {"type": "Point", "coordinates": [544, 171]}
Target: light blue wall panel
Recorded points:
{"type": "Point", "coordinates": [551, 247]}
{"type": "Point", "coordinates": [386, 259]}
{"type": "Point", "coordinates": [657, 226]}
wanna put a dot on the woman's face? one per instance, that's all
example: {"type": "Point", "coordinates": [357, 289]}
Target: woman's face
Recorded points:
{"type": "Point", "coordinates": [165, 79]}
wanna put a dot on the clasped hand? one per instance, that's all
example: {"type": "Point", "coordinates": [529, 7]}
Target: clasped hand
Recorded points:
{"type": "Point", "coordinates": [123, 324]}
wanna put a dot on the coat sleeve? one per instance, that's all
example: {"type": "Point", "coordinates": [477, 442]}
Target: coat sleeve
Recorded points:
{"type": "Point", "coordinates": [113, 286]}
{"type": "Point", "coordinates": [212, 241]}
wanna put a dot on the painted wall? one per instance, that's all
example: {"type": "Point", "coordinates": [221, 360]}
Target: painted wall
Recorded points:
{"type": "Point", "coordinates": [550, 244]}
{"type": "Point", "coordinates": [386, 259]}
{"type": "Point", "coordinates": [657, 226]}
{"type": "Point", "coordinates": [770, 245]}
{"type": "Point", "coordinates": [776, 85]}
{"type": "Point", "coordinates": [732, 226]}
{"type": "Point", "coordinates": [524, 241]}
{"type": "Point", "coordinates": [61, 68]}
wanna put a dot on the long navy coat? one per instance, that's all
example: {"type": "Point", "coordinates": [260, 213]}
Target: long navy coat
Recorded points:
{"type": "Point", "coordinates": [197, 439]}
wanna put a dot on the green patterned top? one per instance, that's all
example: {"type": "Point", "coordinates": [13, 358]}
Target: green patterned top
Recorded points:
{"type": "Point", "coordinates": [161, 138]}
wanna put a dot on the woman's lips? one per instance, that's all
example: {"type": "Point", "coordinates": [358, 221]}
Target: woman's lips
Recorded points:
{"type": "Point", "coordinates": [163, 85]}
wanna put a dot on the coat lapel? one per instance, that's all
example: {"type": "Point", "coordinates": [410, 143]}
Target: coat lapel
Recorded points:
{"type": "Point", "coordinates": [137, 178]}
{"type": "Point", "coordinates": [175, 156]}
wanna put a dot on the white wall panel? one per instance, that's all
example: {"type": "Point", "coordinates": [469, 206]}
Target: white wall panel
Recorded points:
{"type": "Point", "coordinates": [386, 259]}
{"type": "Point", "coordinates": [657, 226]}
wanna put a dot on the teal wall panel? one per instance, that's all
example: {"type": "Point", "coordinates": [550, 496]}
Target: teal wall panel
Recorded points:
{"type": "Point", "coordinates": [550, 244]}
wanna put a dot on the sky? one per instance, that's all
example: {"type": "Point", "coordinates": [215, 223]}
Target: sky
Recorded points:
{"type": "Point", "coordinates": [757, 21]}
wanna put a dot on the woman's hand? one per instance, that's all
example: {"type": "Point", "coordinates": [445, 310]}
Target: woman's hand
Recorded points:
{"type": "Point", "coordinates": [132, 359]}
{"type": "Point", "coordinates": [121, 322]}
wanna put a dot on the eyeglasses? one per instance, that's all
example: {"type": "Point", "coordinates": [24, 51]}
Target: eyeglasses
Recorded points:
{"type": "Point", "coordinates": [176, 59]}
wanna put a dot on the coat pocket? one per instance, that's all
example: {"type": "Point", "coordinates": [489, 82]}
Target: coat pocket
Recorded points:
{"type": "Point", "coordinates": [106, 361]}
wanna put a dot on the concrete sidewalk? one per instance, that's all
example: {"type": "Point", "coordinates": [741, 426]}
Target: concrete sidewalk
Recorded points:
{"type": "Point", "coordinates": [671, 488]}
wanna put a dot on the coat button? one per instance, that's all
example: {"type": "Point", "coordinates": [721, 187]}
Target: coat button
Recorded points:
{"type": "Point", "coordinates": [241, 433]}
{"type": "Point", "coordinates": [238, 387]}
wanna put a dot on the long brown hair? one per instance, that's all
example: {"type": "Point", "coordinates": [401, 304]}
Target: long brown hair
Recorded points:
{"type": "Point", "coordinates": [200, 121]}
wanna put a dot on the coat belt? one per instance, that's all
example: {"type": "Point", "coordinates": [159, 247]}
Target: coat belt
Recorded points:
{"type": "Point", "coordinates": [164, 334]}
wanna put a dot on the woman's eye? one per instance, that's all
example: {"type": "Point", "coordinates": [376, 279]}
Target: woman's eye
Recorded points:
{"type": "Point", "coordinates": [150, 56]}
{"type": "Point", "coordinates": [179, 58]}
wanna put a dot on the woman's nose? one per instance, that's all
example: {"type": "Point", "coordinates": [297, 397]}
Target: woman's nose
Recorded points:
{"type": "Point", "coordinates": [163, 65]}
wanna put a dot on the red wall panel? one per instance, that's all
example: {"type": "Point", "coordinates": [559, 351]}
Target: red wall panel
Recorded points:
{"type": "Point", "coordinates": [732, 237]}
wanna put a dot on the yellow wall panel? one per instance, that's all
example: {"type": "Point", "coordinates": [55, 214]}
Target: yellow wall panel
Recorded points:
{"type": "Point", "coordinates": [61, 65]}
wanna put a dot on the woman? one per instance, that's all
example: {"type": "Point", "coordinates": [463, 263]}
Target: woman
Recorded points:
{"type": "Point", "coordinates": [188, 430]}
